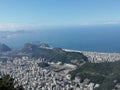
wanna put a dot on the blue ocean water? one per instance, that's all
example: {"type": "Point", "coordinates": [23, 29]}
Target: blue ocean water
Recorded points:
{"type": "Point", "coordinates": [90, 38]}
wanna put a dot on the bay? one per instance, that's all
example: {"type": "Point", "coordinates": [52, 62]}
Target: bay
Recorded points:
{"type": "Point", "coordinates": [104, 38]}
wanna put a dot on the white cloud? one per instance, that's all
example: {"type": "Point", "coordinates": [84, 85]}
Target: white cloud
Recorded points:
{"type": "Point", "coordinates": [24, 26]}
{"type": "Point", "coordinates": [111, 22]}
{"type": "Point", "coordinates": [19, 26]}
{"type": "Point", "coordinates": [101, 23]}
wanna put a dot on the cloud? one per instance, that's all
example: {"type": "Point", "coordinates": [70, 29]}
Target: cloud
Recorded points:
{"type": "Point", "coordinates": [33, 26]}
{"type": "Point", "coordinates": [101, 23]}
{"type": "Point", "coordinates": [19, 26]}
{"type": "Point", "coordinates": [111, 22]}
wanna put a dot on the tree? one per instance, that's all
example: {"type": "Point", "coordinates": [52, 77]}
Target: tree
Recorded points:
{"type": "Point", "coordinates": [7, 83]}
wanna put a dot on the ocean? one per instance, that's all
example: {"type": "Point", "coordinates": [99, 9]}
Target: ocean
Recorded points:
{"type": "Point", "coordinates": [104, 38]}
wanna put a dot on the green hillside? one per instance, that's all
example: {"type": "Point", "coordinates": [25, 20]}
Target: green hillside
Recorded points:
{"type": "Point", "coordinates": [55, 54]}
{"type": "Point", "coordinates": [103, 73]}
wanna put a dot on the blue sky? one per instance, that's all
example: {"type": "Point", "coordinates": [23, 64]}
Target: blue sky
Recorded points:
{"type": "Point", "coordinates": [26, 14]}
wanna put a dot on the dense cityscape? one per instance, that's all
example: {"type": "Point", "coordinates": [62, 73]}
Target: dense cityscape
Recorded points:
{"type": "Point", "coordinates": [55, 77]}
{"type": "Point", "coordinates": [99, 57]}
{"type": "Point", "coordinates": [41, 74]}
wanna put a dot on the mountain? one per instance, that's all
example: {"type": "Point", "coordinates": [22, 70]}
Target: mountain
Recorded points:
{"type": "Point", "coordinates": [4, 48]}
{"type": "Point", "coordinates": [54, 54]}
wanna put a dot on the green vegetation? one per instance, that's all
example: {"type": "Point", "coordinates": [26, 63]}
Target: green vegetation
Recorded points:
{"type": "Point", "coordinates": [102, 73]}
{"type": "Point", "coordinates": [54, 55]}
{"type": "Point", "coordinates": [7, 83]}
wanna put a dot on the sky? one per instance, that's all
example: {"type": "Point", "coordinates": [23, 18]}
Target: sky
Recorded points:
{"type": "Point", "coordinates": [35, 14]}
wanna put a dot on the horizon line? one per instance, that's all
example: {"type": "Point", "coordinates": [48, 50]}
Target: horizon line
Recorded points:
{"type": "Point", "coordinates": [25, 26]}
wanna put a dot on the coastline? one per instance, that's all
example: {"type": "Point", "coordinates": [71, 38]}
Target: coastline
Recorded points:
{"type": "Point", "coordinates": [98, 57]}
{"type": "Point", "coordinates": [70, 50]}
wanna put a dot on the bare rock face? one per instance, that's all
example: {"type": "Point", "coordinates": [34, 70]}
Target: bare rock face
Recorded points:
{"type": "Point", "coordinates": [4, 48]}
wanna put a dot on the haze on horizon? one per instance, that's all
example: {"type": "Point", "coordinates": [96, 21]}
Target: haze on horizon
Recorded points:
{"type": "Point", "coordinates": [36, 14]}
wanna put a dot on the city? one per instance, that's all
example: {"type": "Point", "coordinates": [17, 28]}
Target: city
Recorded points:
{"type": "Point", "coordinates": [53, 75]}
